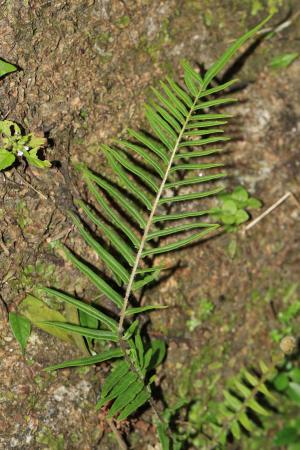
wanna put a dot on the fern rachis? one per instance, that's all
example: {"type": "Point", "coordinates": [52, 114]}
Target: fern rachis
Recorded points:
{"type": "Point", "coordinates": [180, 123]}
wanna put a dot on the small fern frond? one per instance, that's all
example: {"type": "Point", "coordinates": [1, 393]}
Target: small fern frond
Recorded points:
{"type": "Point", "coordinates": [149, 181]}
{"type": "Point", "coordinates": [242, 401]}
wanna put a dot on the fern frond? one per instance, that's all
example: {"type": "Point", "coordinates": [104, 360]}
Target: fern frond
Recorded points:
{"type": "Point", "coordinates": [242, 401]}
{"type": "Point", "coordinates": [133, 211]}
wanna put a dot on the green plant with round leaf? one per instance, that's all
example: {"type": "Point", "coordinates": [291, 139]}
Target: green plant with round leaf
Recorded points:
{"type": "Point", "coordinates": [14, 145]}
{"type": "Point", "coordinates": [234, 206]}
{"type": "Point", "coordinates": [287, 382]}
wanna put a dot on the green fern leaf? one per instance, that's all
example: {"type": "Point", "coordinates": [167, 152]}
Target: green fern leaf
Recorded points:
{"type": "Point", "coordinates": [220, 87]}
{"type": "Point", "coordinates": [211, 103]}
{"type": "Point", "coordinates": [174, 230]}
{"type": "Point", "coordinates": [209, 116]}
{"type": "Point", "coordinates": [83, 331]}
{"type": "Point", "coordinates": [115, 218]}
{"type": "Point", "coordinates": [127, 182]}
{"type": "Point", "coordinates": [117, 374]}
{"type": "Point", "coordinates": [144, 155]}
{"type": "Point", "coordinates": [91, 360]}
{"type": "Point", "coordinates": [193, 196]}
{"type": "Point", "coordinates": [206, 124]}
{"type": "Point", "coordinates": [245, 421]}
{"type": "Point", "coordinates": [119, 387]}
{"type": "Point", "coordinates": [122, 401]}
{"type": "Point", "coordinates": [219, 65]}
{"type": "Point", "coordinates": [197, 154]}
{"type": "Point", "coordinates": [138, 284]}
{"type": "Point", "coordinates": [180, 216]}
{"type": "Point", "coordinates": [104, 287]}
{"type": "Point", "coordinates": [84, 307]}
{"type": "Point", "coordinates": [121, 199]}
{"type": "Point", "coordinates": [236, 430]}
{"type": "Point", "coordinates": [141, 309]}
{"type": "Point", "coordinates": [256, 407]}
{"type": "Point", "coordinates": [114, 237]}
{"type": "Point", "coordinates": [179, 243]}
{"type": "Point", "coordinates": [131, 167]}
{"type": "Point", "coordinates": [199, 142]}
{"type": "Point", "coordinates": [150, 143]}
{"type": "Point", "coordinates": [181, 94]}
{"type": "Point", "coordinates": [111, 262]}
{"type": "Point", "coordinates": [195, 180]}
{"type": "Point", "coordinates": [133, 406]}
{"type": "Point", "coordinates": [240, 400]}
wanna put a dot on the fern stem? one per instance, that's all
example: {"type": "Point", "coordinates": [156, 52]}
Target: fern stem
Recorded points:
{"type": "Point", "coordinates": [122, 444]}
{"type": "Point", "coordinates": [140, 251]}
{"type": "Point", "coordinates": [150, 219]}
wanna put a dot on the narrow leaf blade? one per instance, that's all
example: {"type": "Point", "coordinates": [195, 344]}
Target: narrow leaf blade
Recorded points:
{"type": "Point", "coordinates": [21, 328]}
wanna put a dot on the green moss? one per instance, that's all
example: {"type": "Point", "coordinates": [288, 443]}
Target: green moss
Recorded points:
{"type": "Point", "coordinates": [45, 437]}
{"type": "Point", "coordinates": [33, 275]}
{"type": "Point", "coordinates": [200, 315]}
{"type": "Point", "coordinates": [74, 438]}
{"type": "Point", "coordinates": [23, 214]}
{"type": "Point", "coordinates": [103, 38]}
{"type": "Point", "coordinates": [260, 5]}
{"type": "Point", "coordinates": [208, 18]}
{"type": "Point", "coordinates": [155, 46]}
{"type": "Point", "coordinates": [123, 22]}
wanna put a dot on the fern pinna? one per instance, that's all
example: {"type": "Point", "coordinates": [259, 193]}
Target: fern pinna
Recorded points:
{"type": "Point", "coordinates": [151, 175]}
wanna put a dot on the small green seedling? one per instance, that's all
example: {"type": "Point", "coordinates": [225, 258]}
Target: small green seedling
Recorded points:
{"type": "Point", "coordinates": [287, 315]}
{"type": "Point", "coordinates": [6, 68]}
{"type": "Point", "coordinates": [283, 61]}
{"type": "Point", "coordinates": [198, 317]}
{"type": "Point", "coordinates": [234, 208]}
{"type": "Point", "coordinates": [14, 145]}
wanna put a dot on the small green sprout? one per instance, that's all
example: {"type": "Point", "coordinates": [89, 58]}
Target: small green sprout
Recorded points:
{"type": "Point", "coordinates": [14, 144]}
{"type": "Point", "coordinates": [198, 317]}
{"type": "Point", "coordinates": [6, 68]}
{"type": "Point", "coordinates": [283, 61]}
{"type": "Point", "coordinates": [233, 210]}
